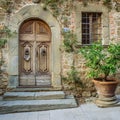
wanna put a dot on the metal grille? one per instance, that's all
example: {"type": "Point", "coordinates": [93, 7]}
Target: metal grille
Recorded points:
{"type": "Point", "coordinates": [91, 27]}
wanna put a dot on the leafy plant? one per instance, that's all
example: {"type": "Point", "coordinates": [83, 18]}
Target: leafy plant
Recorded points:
{"type": "Point", "coordinates": [72, 76]}
{"type": "Point", "coordinates": [70, 41]}
{"type": "Point", "coordinates": [106, 1]}
{"type": "Point", "coordinates": [53, 4]}
{"type": "Point", "coordinates": [7, 5]}
{"type": "Point", "coordinates": [5, 33]}
{"type": "Point", "coordinates": [102, 62]}
{"type": "Point", "coordinates": [58, 7]}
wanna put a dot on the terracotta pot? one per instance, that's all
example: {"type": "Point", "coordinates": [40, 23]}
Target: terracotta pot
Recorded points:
{"type": "Point", "coordinates": [106, 92]}
{"type": "Point", "coordinates": [106, 89]}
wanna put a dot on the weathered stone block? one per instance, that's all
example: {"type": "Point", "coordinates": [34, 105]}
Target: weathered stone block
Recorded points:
{"type": "Point", "coordinates": [13, 67]}
{"type": "Point", "coordinates": [118, 32]}
{"type": "Point", "coordinates": [118, 23]}
{"type": "Point", "coordinates": [94, 94]}
{"type": "Point", "coordinates": [118, 90]}
{"type": "Point", "coordinates": [5, 83]}
{"type": "Point", "coordinates": [18, 1]}
{"type": "Point", "coordinates": [1, 92]}
{"type": "Point", "coordinates": [86, 94]}
{"type": "Point", "coordinates": [13, 81]}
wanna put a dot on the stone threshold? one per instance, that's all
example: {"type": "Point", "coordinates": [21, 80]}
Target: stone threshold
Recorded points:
{"type": "Point", "coordinates": [34, 95]}
{"type": "Point", "coordinates": [33, 89]}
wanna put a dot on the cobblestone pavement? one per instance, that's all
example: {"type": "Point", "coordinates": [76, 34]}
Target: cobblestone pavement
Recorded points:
{"type": "Point", "coordinates": [88, 111]}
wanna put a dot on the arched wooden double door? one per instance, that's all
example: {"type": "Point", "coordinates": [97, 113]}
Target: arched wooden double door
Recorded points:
{"type": "Point", "coordinates": [34, 53]}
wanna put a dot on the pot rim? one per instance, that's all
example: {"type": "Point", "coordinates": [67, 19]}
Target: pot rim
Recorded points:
{"type": "Point", "coordinates": [112, 81]}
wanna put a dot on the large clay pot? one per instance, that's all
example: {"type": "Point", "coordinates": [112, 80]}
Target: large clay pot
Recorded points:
{"type": "Point", "coordinates": [106, 92]}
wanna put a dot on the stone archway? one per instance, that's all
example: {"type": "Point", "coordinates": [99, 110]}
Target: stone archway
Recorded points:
{"type": "Point", "coordinates": [29, 12]}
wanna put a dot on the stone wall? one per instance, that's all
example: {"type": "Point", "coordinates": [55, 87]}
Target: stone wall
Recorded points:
{"type": "Point", "coordinates": [87, 89]}
{"type": "Point", "coordinates": [114, 18]}
{"type": "Point", "coordinates": [114, 26]}
{"type": "Point", "coordinates": [4, 20]}
{"type": "Point", "coordinates": [4, 74]}
{"type": "Point", "coordinates": [74, 25]}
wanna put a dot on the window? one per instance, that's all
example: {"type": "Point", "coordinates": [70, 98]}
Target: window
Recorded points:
{"type": "Point", "coordinates": [91, 27]}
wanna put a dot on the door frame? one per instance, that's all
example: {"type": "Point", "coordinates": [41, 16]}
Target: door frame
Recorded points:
{"type": "Point", "coordinates": [34, 49]}
{"type": "Point", "coordinates": [34, 11]}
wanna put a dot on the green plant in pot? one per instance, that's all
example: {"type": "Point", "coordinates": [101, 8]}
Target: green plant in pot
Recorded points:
{"type": "Point", "coordinates": [103, 64]}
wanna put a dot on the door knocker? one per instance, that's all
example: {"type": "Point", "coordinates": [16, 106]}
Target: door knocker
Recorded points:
{"type": "Point", "coordinates": [27, 54]}
{"type": "Point", "coordinates": [43, 52]}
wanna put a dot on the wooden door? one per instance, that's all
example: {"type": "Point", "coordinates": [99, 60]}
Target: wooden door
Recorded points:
{"type": "Point", "coordinates": [34, 53]}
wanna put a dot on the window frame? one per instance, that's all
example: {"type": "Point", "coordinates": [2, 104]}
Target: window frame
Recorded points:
{"type": "Point", "coordinates": [88, 22]}
{"type": "Point", "coordinates": [93, 7]}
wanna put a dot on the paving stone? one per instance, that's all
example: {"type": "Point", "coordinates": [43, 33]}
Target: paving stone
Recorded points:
{"type": "Point", "coordinates": [62, 115]}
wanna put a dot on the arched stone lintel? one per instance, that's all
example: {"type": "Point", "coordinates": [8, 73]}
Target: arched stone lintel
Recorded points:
{"type": "Point", "coordinates": [33, 11]}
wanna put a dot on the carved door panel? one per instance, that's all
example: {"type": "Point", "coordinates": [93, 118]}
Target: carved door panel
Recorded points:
{"type": "Point", "coordinates": [34, 54]}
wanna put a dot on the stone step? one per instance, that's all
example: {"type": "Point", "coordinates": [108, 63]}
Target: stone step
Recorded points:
{"type": "Point", "coordinates": [36, 105]}
{"type": "Point", "coordinates": [34, 89]}
{"type": "Point", "coordinates": [34, 95]}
